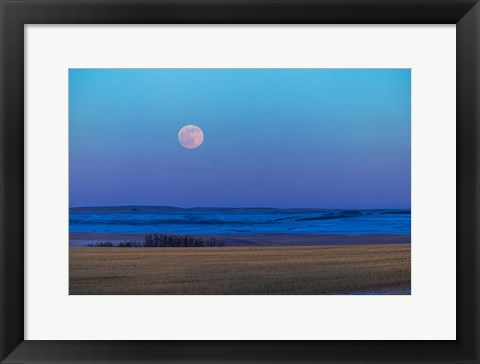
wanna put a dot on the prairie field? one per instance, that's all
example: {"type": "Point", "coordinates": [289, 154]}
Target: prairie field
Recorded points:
{"type": "Point", "coordinates": [353, 269]}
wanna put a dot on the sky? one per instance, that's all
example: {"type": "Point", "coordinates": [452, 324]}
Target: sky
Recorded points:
{"type": "Point", "coordinates": [324, 138]}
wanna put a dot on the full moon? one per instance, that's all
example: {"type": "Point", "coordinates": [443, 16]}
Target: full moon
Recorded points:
{"type": "Point", "coordinates": [190, 136]}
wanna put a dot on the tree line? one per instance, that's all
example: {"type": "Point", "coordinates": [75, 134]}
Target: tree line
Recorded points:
{"type": "Point", "coordinates": [163, 241]}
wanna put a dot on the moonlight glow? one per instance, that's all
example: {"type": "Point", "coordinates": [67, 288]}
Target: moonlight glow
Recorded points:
{"type": "Point", "coordinates": [190, 136]}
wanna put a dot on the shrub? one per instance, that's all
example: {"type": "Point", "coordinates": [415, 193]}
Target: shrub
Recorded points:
{"type": "Point", "coordinates": [166, 241]}
{"type": "Point", "coordinates": [104, 244]}
{"type": "Point", "coordinates": [130, 244]}
{"type": "Point", "coordinates": [163, 241]}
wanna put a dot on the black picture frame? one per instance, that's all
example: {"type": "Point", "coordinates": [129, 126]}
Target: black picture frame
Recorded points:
{"type": "Point", "coordinates": [17, 13]}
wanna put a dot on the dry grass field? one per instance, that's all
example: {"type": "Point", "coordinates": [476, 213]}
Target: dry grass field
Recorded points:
{"type": "Point", "coordinates": [354, 269]}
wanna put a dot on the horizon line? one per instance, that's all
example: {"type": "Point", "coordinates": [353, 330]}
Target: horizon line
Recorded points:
{"type": "Point", "coordinates": [244, 207]}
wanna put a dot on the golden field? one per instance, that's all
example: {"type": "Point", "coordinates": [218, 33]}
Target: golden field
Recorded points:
{"type": "Point", "coordinates": [351, 269]}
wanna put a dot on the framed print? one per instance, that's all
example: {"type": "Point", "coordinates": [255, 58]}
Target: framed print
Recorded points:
{"type": "Point", "coordinates": [239, 181]}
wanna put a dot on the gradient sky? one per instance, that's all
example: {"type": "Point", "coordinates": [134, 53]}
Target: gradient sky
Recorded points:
{"type": "Point", "coordinates": [328, 138]}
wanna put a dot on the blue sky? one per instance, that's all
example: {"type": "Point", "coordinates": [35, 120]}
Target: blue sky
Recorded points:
{"type": "Point", "coordinates": [332, 138]}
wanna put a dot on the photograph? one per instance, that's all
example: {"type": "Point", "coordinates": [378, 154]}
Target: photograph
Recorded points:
{"type": "Point", "coordinates": [233, 182]}
{"type": "Point", "coordinates": [239, 181]}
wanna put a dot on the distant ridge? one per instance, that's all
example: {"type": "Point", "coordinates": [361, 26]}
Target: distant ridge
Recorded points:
{"type": "Point", "coordinates": [214, 220]}
{"type": "Point", "coordinates": [122, 208]}
{"type": "Point", "coordinates": [130, 208]}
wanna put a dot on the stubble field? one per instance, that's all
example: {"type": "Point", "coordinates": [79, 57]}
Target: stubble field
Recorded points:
{"type": "Point", "coordinates": [356, 269]}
